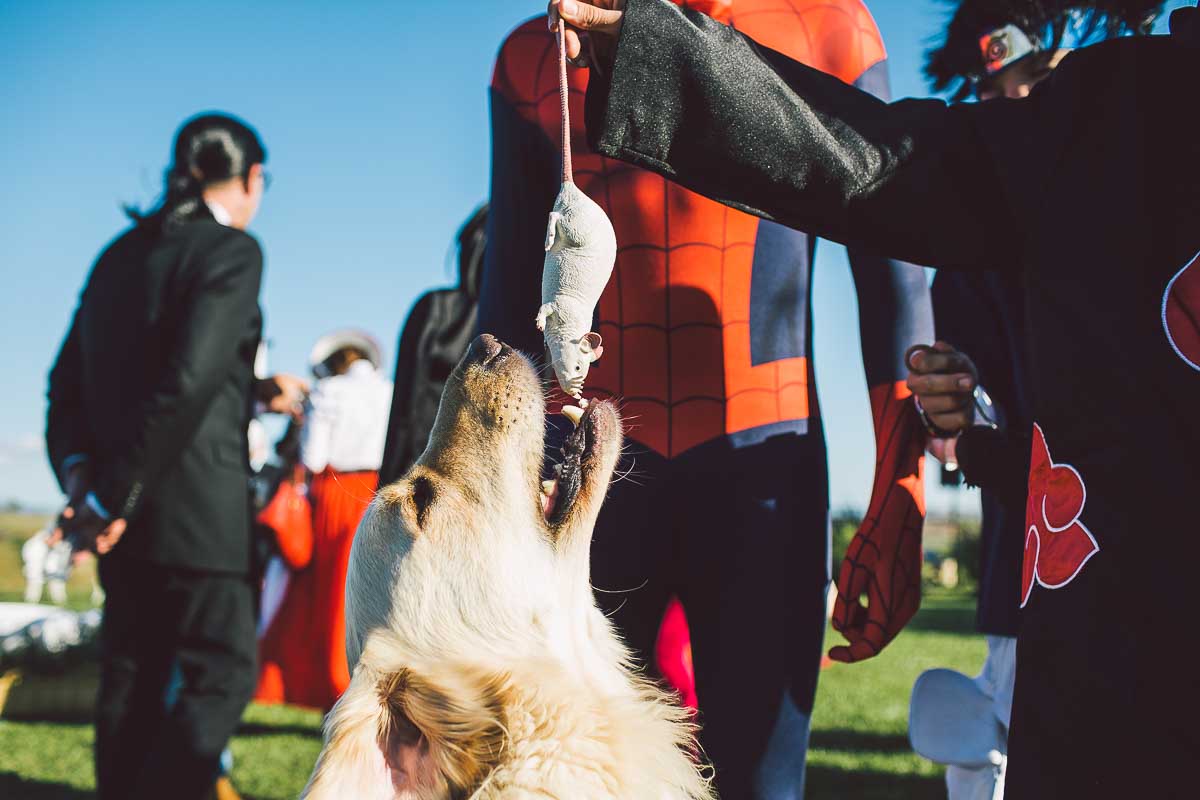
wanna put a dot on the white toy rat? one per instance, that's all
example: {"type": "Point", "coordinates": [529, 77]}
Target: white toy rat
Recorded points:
{"type": "Point", "coordinates": [581, 247]}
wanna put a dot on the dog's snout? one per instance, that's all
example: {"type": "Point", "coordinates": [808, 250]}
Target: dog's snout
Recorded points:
{"type": "Point", "coordinates": [485, 348]}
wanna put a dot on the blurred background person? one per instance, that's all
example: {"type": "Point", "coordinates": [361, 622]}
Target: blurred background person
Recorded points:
{"type": "Point", "coordinates": [992, 49]}
{"type": "Point", "coordinates": [707, 326]}
{"type": "Point", "coordinates": [303, 654]}
{"type": "Point", "coordinates": [46, 567]}
{"type": "Point", "coordinates": [149, 404]}
{"type": "Point", "coordinates": [433, 339]}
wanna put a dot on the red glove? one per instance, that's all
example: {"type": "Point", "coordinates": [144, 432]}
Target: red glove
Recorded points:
{"type": "Point", "coordinates": [883, 560]}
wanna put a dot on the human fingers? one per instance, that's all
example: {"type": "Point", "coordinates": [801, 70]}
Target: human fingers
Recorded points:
{"type": "Point", "coordinates": [292, 384]}
{"type": "Point", "coordinates": [859, 650]}
{"type": "Point", "coordinates": [599, 18]}
{"type": "Point", "coordinates": [940, 357]}
{"type": "Point", "coordinates": [954, 422]}
{"type": "Point", "coordinates": [933, 383]}
{"type": "Point", "coordinates": [109, 537]}
{"type": "Point", "coordinates": [853, 622]}
{"type": "Point", "coordinates": [62, 524]}
{"type": "Point", "coordinates": [851, 583]}
{"type": "Point", "coordinates": [945, 403]}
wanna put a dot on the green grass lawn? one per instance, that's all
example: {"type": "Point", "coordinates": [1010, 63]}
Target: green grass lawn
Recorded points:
{"type": "Point", "coordinates": [15, 528]}
{"type": "Point", "coordinates": [859, 747]}
{"type": "Point", "coordinates": [859, 743]}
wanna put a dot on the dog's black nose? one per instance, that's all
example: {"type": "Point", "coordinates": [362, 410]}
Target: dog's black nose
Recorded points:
{"type": "Point", "coordinates": [484, 349]}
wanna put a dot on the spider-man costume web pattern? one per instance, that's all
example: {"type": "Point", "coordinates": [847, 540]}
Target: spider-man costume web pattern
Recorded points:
{"type": "Point", "coordinates": [706, 320]}
{"type": "Point", "coordinates": [707, 330]}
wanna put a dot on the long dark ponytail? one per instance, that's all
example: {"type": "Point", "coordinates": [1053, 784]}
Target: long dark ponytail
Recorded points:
{"type": "Point", "coordinates": [209, 148]}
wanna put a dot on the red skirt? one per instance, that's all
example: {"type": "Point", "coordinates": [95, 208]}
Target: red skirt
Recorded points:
{"type": "Point", "coordinates": [302, 657]}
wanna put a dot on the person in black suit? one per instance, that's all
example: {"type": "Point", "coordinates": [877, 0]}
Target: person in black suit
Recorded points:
{"type": "Point", "coordinates": [149, 402]}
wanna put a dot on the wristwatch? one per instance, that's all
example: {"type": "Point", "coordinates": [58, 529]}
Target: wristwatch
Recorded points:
{"type": "Point", "coordinates": [930, 427]}
{"type": "Point", "coordinates": [985, 415]}
{"type": "Point", "coordinates": [985, 410]}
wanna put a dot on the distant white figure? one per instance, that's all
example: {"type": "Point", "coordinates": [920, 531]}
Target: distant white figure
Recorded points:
{"type": "Point", "coordinates": [46, 567]}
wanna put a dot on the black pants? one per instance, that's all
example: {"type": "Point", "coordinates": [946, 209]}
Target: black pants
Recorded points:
{"type": "Point", "coordinates": [158, 618]}
{"type": "Point", "coordinates": [742, 537]}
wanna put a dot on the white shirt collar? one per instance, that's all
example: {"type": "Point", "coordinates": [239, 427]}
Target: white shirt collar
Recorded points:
{"type": "Point", "coordinates": [219, 212]}
{"type": "Point", "coordinates": [361, 367]}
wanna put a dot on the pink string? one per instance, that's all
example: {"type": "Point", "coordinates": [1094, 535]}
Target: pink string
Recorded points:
{"type": "Point", "coordinates": [563, 99]}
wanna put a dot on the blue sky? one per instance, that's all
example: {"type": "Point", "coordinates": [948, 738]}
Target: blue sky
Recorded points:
{"type": "Point", "coordinates": [375, 118]}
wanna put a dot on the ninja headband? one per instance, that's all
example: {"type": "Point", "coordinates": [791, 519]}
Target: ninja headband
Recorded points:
{"type": "Point", "coordinates": [1004, 47]}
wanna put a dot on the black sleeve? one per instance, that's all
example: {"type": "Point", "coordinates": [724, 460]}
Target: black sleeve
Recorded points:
{"type": "Point", "coordinates": [523, 187]}
{"type": "Point", "coordinates": [712, 110]}
{"type": "Point", "coordinates": [962, 316]}
{"type": "Point", "coordinates": [67, 433]}
{"type": "Point", "coordinates": [996, 460]}
{"type": "Point", "coordinates": [220, 301]}
{"type": "Point", "coordinates": [893, 297]}
{"type": "Point", "coordinates": [397, 444]}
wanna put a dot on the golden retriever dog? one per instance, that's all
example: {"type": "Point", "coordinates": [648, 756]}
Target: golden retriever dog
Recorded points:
{"type": "Point", "coordinates": [482, 667]}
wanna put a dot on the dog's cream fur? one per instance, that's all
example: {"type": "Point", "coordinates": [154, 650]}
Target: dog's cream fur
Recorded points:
{"type": "Point", "coordinates": [481, 666]}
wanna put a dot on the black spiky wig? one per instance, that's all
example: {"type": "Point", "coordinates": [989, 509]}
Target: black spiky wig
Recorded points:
{"type": "Point", "coordinates": [957, 64]}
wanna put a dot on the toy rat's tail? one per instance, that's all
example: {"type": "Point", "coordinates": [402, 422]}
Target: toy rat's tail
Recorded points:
{"type": "Point", "coordinates": [564, 96]}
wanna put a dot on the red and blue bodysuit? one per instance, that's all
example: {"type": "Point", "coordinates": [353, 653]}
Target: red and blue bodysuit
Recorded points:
{"type": "Point", "coordinates": [707, 326]}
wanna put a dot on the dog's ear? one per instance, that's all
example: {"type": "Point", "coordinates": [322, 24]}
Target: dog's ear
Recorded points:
{"type": "Point", "coordinates": [352, 762]}
{"type": "Point", "coordinates": [454, 724]}
{"type": "Point", "coordinates": [400, 734]}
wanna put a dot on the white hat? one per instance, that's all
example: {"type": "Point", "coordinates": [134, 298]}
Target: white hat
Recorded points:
{"type": "Point", "coordinates": [951, 721]}
{"type": "Point", "coordinates": [340, 339]}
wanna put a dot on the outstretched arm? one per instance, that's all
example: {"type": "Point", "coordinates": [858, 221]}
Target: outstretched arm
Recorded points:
{"type": "Point", "coordinates": [700, 103]}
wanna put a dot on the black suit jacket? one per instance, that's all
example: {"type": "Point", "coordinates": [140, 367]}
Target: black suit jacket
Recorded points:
{"type": "Point", "coordinates": [153, 386]}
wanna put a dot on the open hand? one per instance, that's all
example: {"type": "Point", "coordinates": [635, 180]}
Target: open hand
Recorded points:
{"type": "Point", "coordinates": [288, 397]}
{"type": "Point", "coordinates": [888, 571]}
{"type": "Point", "coordinates": [600, 19]}
{"type": "Point", "coordinates": [943, 381]}
{"type": "Point", "coordinates": [879, 583]}
{"type": "Point", "coordinates": [85, 529]}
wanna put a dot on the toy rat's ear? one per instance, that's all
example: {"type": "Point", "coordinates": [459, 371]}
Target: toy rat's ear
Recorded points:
{"type": "Point", "coordinates": [592, 342]}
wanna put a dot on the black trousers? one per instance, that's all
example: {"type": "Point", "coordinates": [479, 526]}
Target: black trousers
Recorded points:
{"type": "Point", "coordinates": [742, 537]}
{"type": "Point", "coordinates": [157, 619]}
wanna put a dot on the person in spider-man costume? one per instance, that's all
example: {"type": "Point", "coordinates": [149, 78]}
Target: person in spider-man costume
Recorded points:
{"type": "Point", "coordinates": [707, 329]}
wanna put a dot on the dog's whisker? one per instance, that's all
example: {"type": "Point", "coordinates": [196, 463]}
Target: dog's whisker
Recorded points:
{"type": "Point", "coordinates": [641, 585]}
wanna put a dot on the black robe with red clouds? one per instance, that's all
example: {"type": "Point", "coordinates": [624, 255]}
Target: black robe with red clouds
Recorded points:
{"type": "Point", "coordinates": [1098, 171]}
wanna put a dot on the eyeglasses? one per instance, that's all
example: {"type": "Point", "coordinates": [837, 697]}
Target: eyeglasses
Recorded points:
{"type": "Point", "coordinates": [266, 180]}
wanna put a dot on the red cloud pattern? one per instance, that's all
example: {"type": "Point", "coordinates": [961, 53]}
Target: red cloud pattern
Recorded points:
{"type": "Point", "coordinates": [1057, 543]}
{"type": "Point", "coordinates": [1181, 313]}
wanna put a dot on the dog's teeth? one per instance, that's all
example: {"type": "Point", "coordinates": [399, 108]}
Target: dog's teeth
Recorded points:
{"type": "Point", "coordinates": [558, 470]}
{"type": "Point", "coordinates": [573, 413]}
{"type": "Point", "coordinates": [548, 487]}
{"type": "Point", "coordinates": [583, 403]}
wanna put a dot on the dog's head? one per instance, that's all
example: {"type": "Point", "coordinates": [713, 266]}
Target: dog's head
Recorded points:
{"type": "Point", "coordinates": [471, 558]}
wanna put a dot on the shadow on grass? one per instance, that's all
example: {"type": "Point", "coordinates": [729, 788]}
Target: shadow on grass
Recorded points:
{"type": "Point", "coordinates": [860, 741]}
{"type": "Point", "coordinates": [830, 783]}
{"type": "Point", "coordinates": [953, 619]}
{"type": "Point", "coordinates": [16, 787]}
{"type": "Point", "coordinates": [259, 729]}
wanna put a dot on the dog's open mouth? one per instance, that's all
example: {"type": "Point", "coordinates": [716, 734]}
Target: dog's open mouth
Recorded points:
{"type": "Point", "coordinates": [560, 491]}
